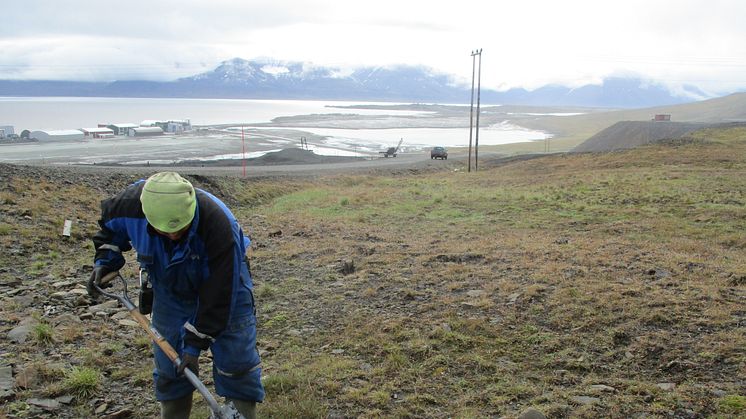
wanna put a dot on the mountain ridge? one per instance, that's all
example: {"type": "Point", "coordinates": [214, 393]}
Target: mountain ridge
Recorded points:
{"type": "Point", "coordinates": [272, 79]}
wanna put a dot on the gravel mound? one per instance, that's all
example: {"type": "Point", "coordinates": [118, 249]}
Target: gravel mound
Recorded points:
{"type": "Point", "coordinates": [630, 134]}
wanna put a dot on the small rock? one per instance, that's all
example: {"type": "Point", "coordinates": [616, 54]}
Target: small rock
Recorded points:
{"type": "Point", "coordinates": [531, 413]}
{"type": "Point", "coordinates": [65, 319]}
{"type": "Point", "coordinates": [65, 399]}
{"type": "Point", "coordinates": [81, 301]}
{"type": "Point", "coordinates": [102, 408]}
{"type": "Point", "coordinates": [127, 322]}
{"type": "Point", "coordinates": [46, 404]}
{"type": "Point", "coordinates": [659, 273]}
{"type": "Point", "coordinates": [86, 316]}
{"type": "Point", "coordinates": [23, 301]}
{"type": "Point", "coordinates": [28, 378]}
{"type": "Point", "coordinates": [719, 393]}
{"type": "Point", "coordinates": [338, 351]}
{"type": "Point", "coordinates": [603, 388]}
{"type": "Point", "coordinates": [121, 414]}
{"type": "Point", "coordinates": [666, 386]}
{"type": "Point", "coordinates": [475, 293]}
{"type": "Point", "coordinates": [585, 400]}
{"type": "Point", "coordinates": [120, 315]}
{"type": "Point", "coordinates": [513, 297]}
{"type": "Point", "coordinates": [19, 334]}
{"type": "Point", "coordinates": [6, 382]}
{"type": "Point", "coordinates": [60, 295]}
{"type": "Point", "coordinates": [109, 306]}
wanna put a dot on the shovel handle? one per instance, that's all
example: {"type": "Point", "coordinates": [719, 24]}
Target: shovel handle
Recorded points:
{"type": "Point", "coordinates": [155, 336]}
{"type": "Point", "coordinates": [225, 412]}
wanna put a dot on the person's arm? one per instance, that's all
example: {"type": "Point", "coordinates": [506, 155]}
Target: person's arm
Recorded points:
{"type": "Point", "coordinates": [113, 238]}
{"type": "Point", "coordinates": [216, 294]}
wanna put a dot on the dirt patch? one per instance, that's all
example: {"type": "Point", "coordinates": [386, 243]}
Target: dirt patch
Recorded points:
{"type": "Point", "coordinates": [288, 156]}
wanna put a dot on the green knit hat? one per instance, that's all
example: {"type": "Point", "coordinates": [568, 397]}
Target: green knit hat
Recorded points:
{"type": "Point", "coordinates": [168, 201]}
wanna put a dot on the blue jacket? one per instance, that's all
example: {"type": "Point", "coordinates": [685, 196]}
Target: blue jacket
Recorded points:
{"type": "Point", "coordinates": [206, 265]}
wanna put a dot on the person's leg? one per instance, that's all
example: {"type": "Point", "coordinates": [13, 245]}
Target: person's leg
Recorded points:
{"type": "Point", "coordinates": [237, 370]}
{"type": "Point", "coordinates": [246, 408]}
{"type": "Point", "coordinates": [177, 409]}
{"type": "Point", "coordinates": [174, 391]}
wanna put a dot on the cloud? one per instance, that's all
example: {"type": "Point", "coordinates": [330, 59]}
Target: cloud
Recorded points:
{"type": "Point", "coordinates": [526, 44]}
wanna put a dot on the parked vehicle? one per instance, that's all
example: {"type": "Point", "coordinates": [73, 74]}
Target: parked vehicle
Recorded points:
{"type": "Point", "coordinates": [439, 153]}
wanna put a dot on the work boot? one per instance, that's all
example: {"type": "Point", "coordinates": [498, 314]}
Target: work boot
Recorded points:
{"type": "Point", "coordinates": [246, 408]}
{"type": "Point", "coordinates": [177, 409]}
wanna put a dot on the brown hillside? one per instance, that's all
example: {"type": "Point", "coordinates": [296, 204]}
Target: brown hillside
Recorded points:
{"type": "Point", "coordinates": [726, 109]}
{"type": "Point", "coordinates": [630, 134]}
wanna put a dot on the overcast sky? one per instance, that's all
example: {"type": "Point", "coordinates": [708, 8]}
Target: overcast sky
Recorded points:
{"type": "Point", "coordinates": [525, 43]}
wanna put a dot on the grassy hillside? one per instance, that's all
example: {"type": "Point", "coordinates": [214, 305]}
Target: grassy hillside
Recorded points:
{"type": "Point", "coordinates": [572, 130]}
{"type": "Point", "coordinates": [608, 285]}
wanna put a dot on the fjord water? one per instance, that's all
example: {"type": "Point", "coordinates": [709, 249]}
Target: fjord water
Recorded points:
{"type": "Point", "coordinates": [61, 113]}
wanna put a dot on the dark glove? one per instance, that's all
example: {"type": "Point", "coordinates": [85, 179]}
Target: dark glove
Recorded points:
{"type": "Point", "coordinates": [188, 361]}
{"type": "Point", "coordinates": [98, 273]}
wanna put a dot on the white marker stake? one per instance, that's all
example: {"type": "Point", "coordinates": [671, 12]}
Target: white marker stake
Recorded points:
{"type": "Point", "coordinates": [67, 228]}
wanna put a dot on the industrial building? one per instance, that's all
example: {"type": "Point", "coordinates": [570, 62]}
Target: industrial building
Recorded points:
{"type": "Point", "coordinates": [6, 131]}
{"type": "Point", "coordinates": [144, 131]}
{"type": "Point", "coordinates": [59, 135]}
{"type": "Point", "coordinates": [98, 132]}
{"type": "Point", "coordinates": [176, 126]}
{"type": "Point", "coordinates": [121, 129]}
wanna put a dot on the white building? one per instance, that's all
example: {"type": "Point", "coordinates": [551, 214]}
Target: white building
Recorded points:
{"type": "Point", "coordinates": [98, 132]}
{"type": "Point", "coordinates": [6, 130]}
{"type": "Point", "coordinates": [59, 135]}
{"type": "Point", "coordinates": [144, 131]}
{"type": "Point", "coordinates": [121, 129]}
{"type": "Point", "coordinates": [173, 125]}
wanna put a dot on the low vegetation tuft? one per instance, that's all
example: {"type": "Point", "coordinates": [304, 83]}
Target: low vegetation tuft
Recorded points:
{"type": "Point", "coordinates": [82, 382]}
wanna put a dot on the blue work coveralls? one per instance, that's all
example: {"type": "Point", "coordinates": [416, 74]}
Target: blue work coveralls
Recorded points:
{"type": "Point", "coordinates": [202, 290]}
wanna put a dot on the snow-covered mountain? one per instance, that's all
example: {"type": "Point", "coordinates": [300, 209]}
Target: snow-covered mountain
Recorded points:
{"type": "Point", "coordinates": [271, 79]}
{"type": "Point", "coordinates": [266, 79]}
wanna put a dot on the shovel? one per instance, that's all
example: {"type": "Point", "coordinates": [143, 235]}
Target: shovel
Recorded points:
{"type": "Point", "coordinates": [218, 412]}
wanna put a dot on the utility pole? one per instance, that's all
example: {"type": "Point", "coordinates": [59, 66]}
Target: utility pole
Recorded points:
{"type": "Point", "coordinates": [479, 91]}
{"type": "Point", "coordinates": [471, 108]}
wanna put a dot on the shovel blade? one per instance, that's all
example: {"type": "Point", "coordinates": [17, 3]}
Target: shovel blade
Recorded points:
{"type": "Point", "coordinates": [227, 411]}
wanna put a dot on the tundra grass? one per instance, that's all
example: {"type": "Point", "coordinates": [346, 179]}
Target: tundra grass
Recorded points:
{"type": "Point", "coordinates": [525, 285]}
{"type": "Point", "coordinates": [593, 285]}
